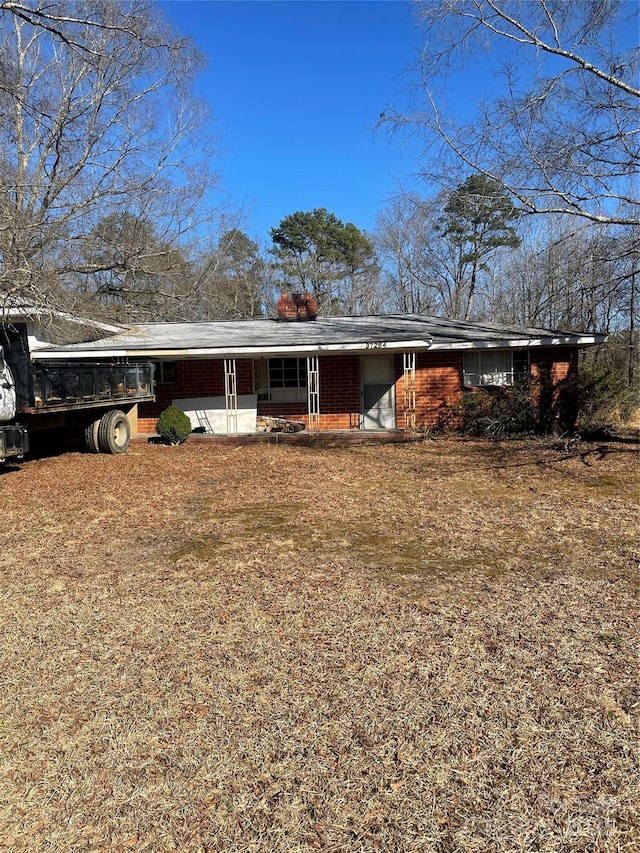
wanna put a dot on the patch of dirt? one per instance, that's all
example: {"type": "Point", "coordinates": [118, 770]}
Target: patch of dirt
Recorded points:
{"type": "Point", "coordinates": [421, 647]}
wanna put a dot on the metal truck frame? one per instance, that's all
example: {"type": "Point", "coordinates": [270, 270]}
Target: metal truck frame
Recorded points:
{"type": "Point", "coordinates": [94, 398]}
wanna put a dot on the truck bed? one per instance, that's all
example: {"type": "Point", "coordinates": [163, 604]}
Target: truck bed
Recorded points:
{"type": "Point", "coordinates": [68, 386]}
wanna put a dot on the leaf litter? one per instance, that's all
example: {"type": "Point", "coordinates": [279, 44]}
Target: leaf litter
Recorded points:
{"type": "Point", "coordinates": [421, 647]}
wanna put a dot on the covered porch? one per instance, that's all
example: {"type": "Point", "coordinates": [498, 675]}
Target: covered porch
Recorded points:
{"type": "Point", "coordinates": [367, 391]}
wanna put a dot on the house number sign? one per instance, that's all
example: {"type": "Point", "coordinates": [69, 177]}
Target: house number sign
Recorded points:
{"type": "Point", "coordinates": [376, 344]}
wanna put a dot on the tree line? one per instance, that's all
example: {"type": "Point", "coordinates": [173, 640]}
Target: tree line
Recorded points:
{"type": "Point", "coordinates": [106, 177]}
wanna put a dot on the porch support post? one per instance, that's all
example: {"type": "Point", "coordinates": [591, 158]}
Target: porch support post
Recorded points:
{"type": "Point", "coordinates": [313, 393]}
{"type": "Point", "coordinates": [409, 390]}
{"type": "Point", "coordinates": [231, 395]}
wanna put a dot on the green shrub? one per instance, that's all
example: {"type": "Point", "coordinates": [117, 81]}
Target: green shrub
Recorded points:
{"type": "Point", "coordinates": [173, 425]}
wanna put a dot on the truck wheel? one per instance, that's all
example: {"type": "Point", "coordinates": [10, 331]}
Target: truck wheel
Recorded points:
{"type": "Point", "coordinates": [91, 436]}
{"type": "Point", "coordinates": [114, 432]}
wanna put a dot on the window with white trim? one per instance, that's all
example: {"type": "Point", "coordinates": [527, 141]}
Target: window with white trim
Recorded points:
{"type": "Point", "coordinates": [281, 380]}
{"type": "Point", "coordinates": [494, 367]}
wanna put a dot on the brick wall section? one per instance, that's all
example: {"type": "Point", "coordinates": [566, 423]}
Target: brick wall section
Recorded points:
{"type": "Point", "coordinates": [559, 364]}
{"type": "Point", "coordinates": [198, 378]}
{"type": "Point", "coordinates": [556, 368]}
{"type": "Point", "coordinates": [339, 395]}
{"type": "Point", "coordinates": [339, 392]}
{"type": "Point", "coordinates": [438, 387]}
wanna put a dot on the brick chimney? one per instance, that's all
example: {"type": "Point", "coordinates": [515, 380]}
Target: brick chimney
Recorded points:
{"type": "Point", "coordinates": [298, 306]}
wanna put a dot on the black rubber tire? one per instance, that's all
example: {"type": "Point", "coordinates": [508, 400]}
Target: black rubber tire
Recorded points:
{"type": "Point", "coordinates": [91, 436]}
{"type": "Point", "coordinates": [114, 432]}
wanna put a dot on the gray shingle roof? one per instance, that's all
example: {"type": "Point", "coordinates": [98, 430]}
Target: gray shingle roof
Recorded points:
{"type": "Point", "coordinates": [263, 336]}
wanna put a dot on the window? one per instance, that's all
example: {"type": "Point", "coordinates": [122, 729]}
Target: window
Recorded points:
{"type": "Point", "coordinates": [166, 371]}
{"type": "Point", "coordinates": [495, 367]}
{"type": "Point", "coordinates": [281, 380]}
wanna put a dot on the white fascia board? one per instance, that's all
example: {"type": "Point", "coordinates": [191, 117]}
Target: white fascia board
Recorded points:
{"type": "Point", "coordinates": [574, 340]}
{"type": "Point", "coordinates": [371, 347]}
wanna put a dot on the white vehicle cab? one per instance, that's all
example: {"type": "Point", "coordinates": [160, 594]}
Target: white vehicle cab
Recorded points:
{"type": "Point", "coordinates": [13, 438]}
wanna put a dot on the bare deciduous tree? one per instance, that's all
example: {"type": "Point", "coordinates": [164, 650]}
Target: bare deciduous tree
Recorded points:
{"type": "Point", "coordinates": [560, 277]}
{"type": "Point", "coordinates": [97, 120]}
{"type": "Point", "coordinates": [229, 281]}
{"type": "Point", "coordinates": [562, 135]}
{"type": "Point", "coordinates": [403, 243]}
{"type": "Point", "coordinates": [439, 254]}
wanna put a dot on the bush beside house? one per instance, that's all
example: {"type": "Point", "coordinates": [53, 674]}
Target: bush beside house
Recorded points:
{"type": "Point", "coordinates": [173, 425]}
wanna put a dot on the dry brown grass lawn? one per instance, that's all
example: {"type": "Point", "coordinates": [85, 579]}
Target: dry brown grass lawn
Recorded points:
{"type": "Point", "coordinates": [428, 647]}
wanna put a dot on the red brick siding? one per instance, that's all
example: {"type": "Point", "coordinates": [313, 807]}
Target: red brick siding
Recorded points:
{"type": "Point", "coordinates": [438, 386]}
{"type": "Point", "coordinates": [339, 392]}
{"type": "Point", "coordinates": [556, 368]}
{"type": "Point", "coordinates": [339, 395]}
{"type": "Point", "coordinates": [557, 364]}
{"type": "Point", "coordinates": [197, 378]}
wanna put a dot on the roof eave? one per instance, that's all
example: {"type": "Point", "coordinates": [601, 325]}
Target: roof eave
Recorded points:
{"type": "Point", "coordinates": [519, 343]}
{"type": "Point", "coordinates": [237, 352]}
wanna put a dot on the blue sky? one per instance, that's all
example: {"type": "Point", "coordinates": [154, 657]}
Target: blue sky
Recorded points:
{"type": "Point", "coordinates": [296, 89]}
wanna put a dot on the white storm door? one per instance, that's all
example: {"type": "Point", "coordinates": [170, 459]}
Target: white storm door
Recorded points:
{"type": "Point", "coordinates": [377, 389]}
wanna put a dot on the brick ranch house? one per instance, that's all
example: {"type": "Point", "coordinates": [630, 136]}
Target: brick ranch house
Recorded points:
{"type": "Point", "coordinates": [387, 372]}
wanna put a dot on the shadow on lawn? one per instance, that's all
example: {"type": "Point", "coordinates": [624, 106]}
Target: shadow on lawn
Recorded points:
{"type": "Point", "coordinates": [587, 449]}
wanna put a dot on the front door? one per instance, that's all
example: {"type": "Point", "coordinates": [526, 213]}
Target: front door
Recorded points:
{"type": "Point", "coordinates": [377, 392]}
